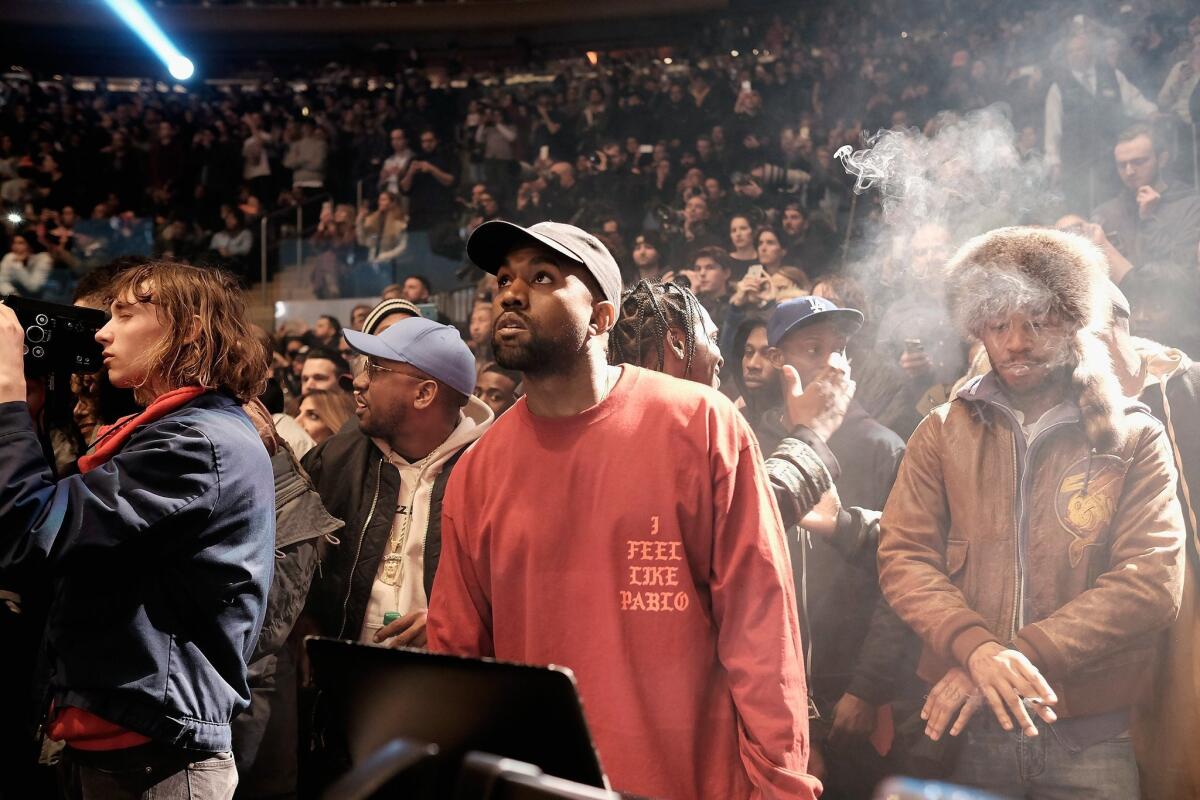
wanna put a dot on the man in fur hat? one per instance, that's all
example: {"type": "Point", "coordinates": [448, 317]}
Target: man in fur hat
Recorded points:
{"type": "Point", "coordinates": [1033, 539]}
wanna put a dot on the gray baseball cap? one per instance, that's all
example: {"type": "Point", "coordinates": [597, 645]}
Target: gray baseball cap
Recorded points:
{"type": "Point", "coordinates": [492, 241]}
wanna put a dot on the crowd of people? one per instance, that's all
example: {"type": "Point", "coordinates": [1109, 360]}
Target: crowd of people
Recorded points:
{"type": "Point", "coordinates": [743, 118]}
{"type": "Point", "coordinates": [932, 517]}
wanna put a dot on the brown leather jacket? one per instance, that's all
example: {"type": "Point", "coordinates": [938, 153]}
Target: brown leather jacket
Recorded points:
{"type": "Point", "coordinates": [1100, 568]}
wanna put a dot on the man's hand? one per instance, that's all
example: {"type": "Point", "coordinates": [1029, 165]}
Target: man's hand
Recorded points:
{"type": "Point", "coordinates": [12, 357]}
{"type": "Point", "coordinates": [853, 720]}
{"type": "Point", "coordinates": [917, 365]}
{"type": "Point", "coordinates": [408, 631]}
{"type": "Point", "coordinates": [1007, 679]}
{"type": "Point", "coordinates": [954, 691]}
{"type": "Point", "coordinates": [1147, 200]}
{"type": "Point", "coordinates": [823, 517]}
{"type": "Point", "coordinates": [821, 406]}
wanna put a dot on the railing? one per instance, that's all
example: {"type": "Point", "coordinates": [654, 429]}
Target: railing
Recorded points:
{"type": "Point", "coordinates": [275, 222]}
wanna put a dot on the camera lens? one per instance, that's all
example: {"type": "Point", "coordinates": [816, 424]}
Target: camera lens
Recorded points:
{"type": "Point", "coordinates": [41, 319]}
{"type": "Point", "coordinates": [38, 352]}
{"type": "Point", "coordinates": [35, 334]}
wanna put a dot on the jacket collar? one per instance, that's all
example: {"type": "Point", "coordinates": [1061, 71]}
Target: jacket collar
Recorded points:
{"type": "Point", "coordinates": [986, 389]}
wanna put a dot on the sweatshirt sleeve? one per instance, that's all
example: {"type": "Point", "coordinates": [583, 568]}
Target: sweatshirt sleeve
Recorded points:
{"type": "Point", "coordinates": [166, 472]}
{"type": "Point", "coordinates": [460, 608]}
{"type": "Point", "coordinates": [1141, 590]}
{"type": "Point", "coordinates": [754, 610]}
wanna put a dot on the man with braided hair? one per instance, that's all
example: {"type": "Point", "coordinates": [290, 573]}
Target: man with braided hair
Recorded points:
{"type": "Point", "coordinates": [860, 650]}
{"type": "Point", "coordinates": [664, 327]}
{"type": "Point", "coordinates": [620, 522]}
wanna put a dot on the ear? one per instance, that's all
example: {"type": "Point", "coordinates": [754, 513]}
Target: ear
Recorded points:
{"type": "Point", "coordinates": [675, 341]}
{"type": "Point", "coordinates": [426, 395]}
{"type": "Point", "coordinates": [604, 318]}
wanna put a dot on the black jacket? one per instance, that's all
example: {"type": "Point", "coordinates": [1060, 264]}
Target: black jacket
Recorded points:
{"type": "Point", "coordinates": [850, 631]}
{"type": "Point", "coordinates": [359, 486]}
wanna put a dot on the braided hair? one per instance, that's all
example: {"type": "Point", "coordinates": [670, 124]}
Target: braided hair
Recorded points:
{"type": "Point", "coordinates": [648, 311]}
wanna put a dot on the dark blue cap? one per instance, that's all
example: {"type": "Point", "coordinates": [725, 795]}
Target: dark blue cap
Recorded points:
{"type": "Point", "coordinates": [435, 349]}
{"type": "Point", "coordinates": [800, 311]}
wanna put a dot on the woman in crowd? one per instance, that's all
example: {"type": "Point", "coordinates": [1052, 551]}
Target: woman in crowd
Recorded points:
{"type": "Point", "coordinates": [323, 412]}
{"type": "Point", "coordinates": [769, 247]}
{"type": "Point", "coordinates": [23, 271]}
{"type": "Point", "coordinates": [334, 242]}
{"type": "Point", "coordinates": [741, 238]}
{"type": "Point", "coordinates": [384, 234]}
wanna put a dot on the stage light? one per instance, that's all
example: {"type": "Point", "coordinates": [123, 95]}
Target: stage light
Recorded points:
{"type": "Point", "coordinates": [14, 218]}
{"type": "Point", "coordinates": [133, 15]}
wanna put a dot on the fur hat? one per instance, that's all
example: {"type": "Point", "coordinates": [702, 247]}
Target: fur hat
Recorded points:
{"type": "Point", "coordinates": [1043, 270]}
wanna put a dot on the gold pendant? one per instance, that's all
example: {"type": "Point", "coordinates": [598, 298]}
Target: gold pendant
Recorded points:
{"type": "Point", "coordinates": [392, 564]}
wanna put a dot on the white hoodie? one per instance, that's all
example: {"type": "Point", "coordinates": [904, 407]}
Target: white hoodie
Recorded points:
{"type": "Point", "coordinates": [412, 509]}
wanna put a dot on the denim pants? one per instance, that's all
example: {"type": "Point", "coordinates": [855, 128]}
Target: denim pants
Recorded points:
{"type": "Point", "coordinates": [149, 772]}
{"type": "Point", "coordinates": [1042, 767]}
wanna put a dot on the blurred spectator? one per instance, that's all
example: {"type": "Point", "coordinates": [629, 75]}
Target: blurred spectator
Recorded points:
{"type": "Point", "coordinates": [1152, 219]}
{"type": "Point", "coordinates": [498, 387]}
{"type": "Point", "coordinates": [743, 252]}
{"type": "Point", "coordinates": [385, 235]}
{"type": "Point", "coordinates": [647, 258]}
{"type": "Point", "coordinates": [306, 157]}
{"type": "Point", "coordinates": [397, 163]}
{"type": "Point", "coordinates": [1088, 104]}
{"type": "Point", "coordinates": [416, 289]}
{"type": "Point", "coordinates": [235, 241]}
{"type": "Point", "coordinates": [1180, 85]}
{"type": "Point", "coordinates": [324, 369]}
{"type": "Point", "coordinates": [22, 270]}
{"type": "Point", "coordinates": [479, 333]}
{"type": "Point", "coordinates": [326, 331]}
{"type": "Point", "coordinates": [323, 412]}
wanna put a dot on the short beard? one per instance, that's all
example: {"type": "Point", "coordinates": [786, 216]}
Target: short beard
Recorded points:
{"type": "Point", "coordinates": [542, 355]}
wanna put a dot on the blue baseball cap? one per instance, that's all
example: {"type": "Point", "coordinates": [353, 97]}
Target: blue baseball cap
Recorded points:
{"type": "Point", "coordinates": [434, 348]}
{"type": "Point", "coordinates": [800, 311]}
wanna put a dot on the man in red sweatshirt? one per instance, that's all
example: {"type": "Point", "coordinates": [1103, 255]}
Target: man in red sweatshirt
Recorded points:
{"type": "Point", "coordinates": [620, 522]}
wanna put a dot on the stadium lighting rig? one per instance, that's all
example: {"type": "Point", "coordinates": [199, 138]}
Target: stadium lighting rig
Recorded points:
{"type": "Point", "coordinates": [139, 21]}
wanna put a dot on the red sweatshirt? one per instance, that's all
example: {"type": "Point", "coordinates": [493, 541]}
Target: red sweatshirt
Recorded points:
{"type": "Point", "coordinates": [637, 543]}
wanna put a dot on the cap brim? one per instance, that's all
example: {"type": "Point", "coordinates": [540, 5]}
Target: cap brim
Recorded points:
{"type": "Point", "coordinates": [370, 345]}
{"type": "Point", "coordinates": [490, 243]}
{"type": "Point", "coordinates": [850, 318]}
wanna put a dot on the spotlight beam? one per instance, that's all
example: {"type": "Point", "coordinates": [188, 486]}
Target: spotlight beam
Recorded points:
{"type": "Point", "coordinates": [134, 15]}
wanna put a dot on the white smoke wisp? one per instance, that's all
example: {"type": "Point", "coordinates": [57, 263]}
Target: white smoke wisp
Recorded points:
{"type": "Point", "coordinates": [968, 176]}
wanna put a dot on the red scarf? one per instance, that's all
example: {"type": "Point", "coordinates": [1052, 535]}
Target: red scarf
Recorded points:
{"type": "Point", "coordinates": [111, 438]}
{"type": "Point", "coordinates": [82, 729]}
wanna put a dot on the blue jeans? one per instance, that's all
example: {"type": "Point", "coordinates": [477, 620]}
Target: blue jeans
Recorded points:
{"type": "Point", "coordinates": [1041, 767]}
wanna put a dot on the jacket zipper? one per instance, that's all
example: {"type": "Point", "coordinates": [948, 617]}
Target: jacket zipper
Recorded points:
{"type": "Point", "coordinates": [1016, 541]}
{"type": "Point", "coordinates": [1018, 485]}
{"type": "Point", "coordinates": [362, 535]}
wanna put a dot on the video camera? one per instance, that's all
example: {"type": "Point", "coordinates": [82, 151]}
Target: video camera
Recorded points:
{"type": "Point", "coordinates": [58, 339]}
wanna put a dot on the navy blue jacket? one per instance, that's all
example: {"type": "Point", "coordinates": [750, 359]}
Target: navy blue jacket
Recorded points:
{"type": "Point", "coordinates": [160, 558]}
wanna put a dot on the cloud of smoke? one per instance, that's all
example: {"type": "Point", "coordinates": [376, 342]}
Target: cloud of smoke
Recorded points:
{"type": "Point", "coordinates": [967, 176]}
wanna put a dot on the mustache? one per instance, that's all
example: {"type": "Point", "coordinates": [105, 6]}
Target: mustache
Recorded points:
{"type": "Point", "coordinates": [508, 316]}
